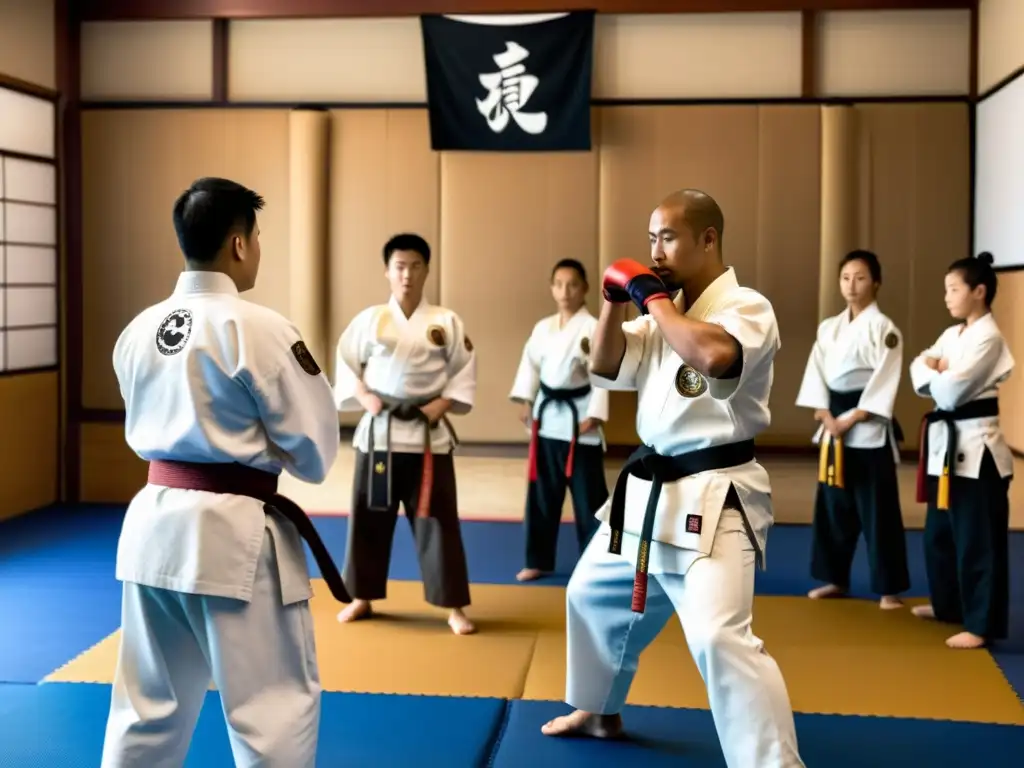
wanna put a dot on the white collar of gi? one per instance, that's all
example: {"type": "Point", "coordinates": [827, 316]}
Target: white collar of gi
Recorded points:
{"type": "Point", "coordinates": [396, 308]}
{"type": "Point", "coordinates": [205, 282]}
{"type": "Point", "coordinates": [722, 284]}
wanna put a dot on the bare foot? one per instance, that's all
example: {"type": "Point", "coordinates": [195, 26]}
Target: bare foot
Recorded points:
{"type": "Point", "coordinates": [829, 590]}
{"type": "Point", "coordinates": [581, 723]}
{"type": "Point", "coordinates": [923, 611]}
{"type": "Point", "coordinates": [529, 574]}
{"type": "Point", "coordinates": [357, 609]}
{"type": "Point", "coordinates": [966, 641]}
{"type": "Point", "coordinates": [890, 603]}
{"type": "Point", "coordinates": [460, 624]}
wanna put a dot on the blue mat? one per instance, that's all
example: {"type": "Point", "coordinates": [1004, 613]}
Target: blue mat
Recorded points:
{"type": "Point", "coordinates": [678, 738]}
{"type": "Point", "coordinates": [58, 595]}
{"type": "Point", "coordinates": [62, 725]}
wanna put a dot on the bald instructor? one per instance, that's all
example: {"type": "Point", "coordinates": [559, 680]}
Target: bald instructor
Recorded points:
{"type": "Point", "coordinates": [687, 523]}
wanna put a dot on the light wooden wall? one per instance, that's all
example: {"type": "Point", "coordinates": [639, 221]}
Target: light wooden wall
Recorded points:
{"type": "Point", "coordinates": [29, 402]}
{"type": "Point", "coordinates": [498, 223]}
{"type": "Point", "coordinates": [1001, 54]}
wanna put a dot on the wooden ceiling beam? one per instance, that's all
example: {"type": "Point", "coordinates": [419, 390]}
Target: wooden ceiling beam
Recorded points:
{"type": "Point", "coordinates": [142, 10]}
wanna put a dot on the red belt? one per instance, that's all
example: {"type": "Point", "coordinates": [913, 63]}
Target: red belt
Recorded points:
{"type": "Point", "coordinates": [240, 480]}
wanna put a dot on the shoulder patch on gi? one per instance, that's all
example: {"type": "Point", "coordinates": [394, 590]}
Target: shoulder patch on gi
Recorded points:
{"type": "Point", "coordinates": [469, 344]}
{"type": "Point", "coordinates": [689, 383]}
{"type": "Point", "coordinates": [437, 336]}
{"type": "Point", "coordinates": [174, 332]}
{"type": "Point", "coordinates": [891, 340]}
{"type": "Point", "coordinates": [585, 345]}
{"type": "Point", "coordinates": [305, 358]}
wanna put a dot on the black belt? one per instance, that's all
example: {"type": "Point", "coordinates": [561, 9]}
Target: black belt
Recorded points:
{"type": "Point", "coordinates": [841, 402]}
{"type": "Point", "coordinates": [646, 464]}
{"type": "Point", "coordinates": [976, 409]}
{"type": "Point", "coordinates": [567, 397]}
{"type": "Point", "coordinates": [379, 463]}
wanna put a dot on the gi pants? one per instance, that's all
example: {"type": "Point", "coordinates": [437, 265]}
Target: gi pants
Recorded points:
{"type": "Point", "coordinates": [261, 656]}
{"type": "Point", "coordinates": [966, 550]}
{"type": "Point", "coordinates": [869, 502]}
{"type": "Point", "coordinates": [438, 537]}
{"type": "Point", "coordinates": [545, 497]}
{"type": "Point", "coordinates": [714, 601]}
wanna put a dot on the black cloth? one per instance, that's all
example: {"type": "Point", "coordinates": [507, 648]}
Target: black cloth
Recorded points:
{"type": "Point", "coordinates": [966, 550]}
{"type": "Point", "coordinates": [868, 503]}
{"type": "Point", "coordinates": [546, 495]}
{"type": "Point", "coordinates": [438, 536]}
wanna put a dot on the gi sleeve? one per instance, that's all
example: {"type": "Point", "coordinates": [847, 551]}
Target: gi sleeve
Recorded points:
{"type": "Point", "coordinates": [969, 376]}
{"type": "Point", "coordinates": [597, 407]}
{"type": "Point", "coordinates": [638, 350]}
{"type": "Point", "coordinates": [750, 320]}
{"type": "Point", "coordinates": [350, 358]}
{"type": "Point", "coordinates": [297, 409]}
{"type": "Point", "coordinates": [879, 398]}
{"type": "Point", "coordinates": [813, 389]}
{"type": "Point", "coordinates": [921, 375]}
{"type": "Point", "coordinates": [461, 385]}
{"type": "Point", "coordinates": [527, 381]}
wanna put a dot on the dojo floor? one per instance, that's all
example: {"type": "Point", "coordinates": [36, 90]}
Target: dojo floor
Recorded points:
{"type": "Point", "coordinates": [869, 688]}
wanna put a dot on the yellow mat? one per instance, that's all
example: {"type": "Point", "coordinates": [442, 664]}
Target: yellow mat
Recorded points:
{"type": "Point", "coordinates": [838, 657]}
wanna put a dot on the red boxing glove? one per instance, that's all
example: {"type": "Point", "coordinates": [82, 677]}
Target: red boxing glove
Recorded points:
{"type": "Point", "coordinates": [627, 280]}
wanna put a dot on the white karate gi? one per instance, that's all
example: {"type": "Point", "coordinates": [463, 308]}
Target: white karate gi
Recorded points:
{"type": "Point", "coordinates": [863, 354]}
{"type": "Point", "coordinates": [419, 358]}
{"type": "Point", "coordinates": [979, 361]}
{"type": "Point", "coordinates": [706, 578]}
{"type": "Point", "coordinates": [558, 356]}
{"type": "Point", "coordinates": [215, 586]}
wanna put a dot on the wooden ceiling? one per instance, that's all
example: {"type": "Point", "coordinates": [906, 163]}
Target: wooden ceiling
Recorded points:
{"type": "Point", "coordinates": [110, 10]}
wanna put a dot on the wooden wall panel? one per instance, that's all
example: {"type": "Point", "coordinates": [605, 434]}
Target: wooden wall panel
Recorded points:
{"type": "Point", "coordinates": [28, 453]}
{"type": "Point", "coordinates": [505, 220]}
{"type": "Point", "coordinates": [134, 165]}
{"type": "Point", "coordinates": [915, 182]}
{"type": "Point", "coordinates": [384, 179]}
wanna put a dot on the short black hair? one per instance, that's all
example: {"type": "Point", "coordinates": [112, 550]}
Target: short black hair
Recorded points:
{"type": "Point", "coordinates": [406, 242]}
{"type": "Point", "coordinates": [977, 271]}
{"type": "Point", "coordinates": [570, 264]}
{"type": "Point", "coordinates": [208, 212]}
{"type": "Point", "coordinates": [869, 259]}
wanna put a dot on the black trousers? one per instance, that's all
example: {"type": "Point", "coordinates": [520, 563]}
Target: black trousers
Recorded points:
{"type": "Point", "coordinates": [966, 549]}
{"type": "Point", "coordinates": [438, 537]}
{"type": "Point", "coordinates": [545, 497]}
{"type": "Point", "coordinates": [869, 502]}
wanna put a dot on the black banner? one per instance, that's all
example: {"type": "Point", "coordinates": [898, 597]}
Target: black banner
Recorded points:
{"type": "Point", "coordinates": [497, 84]}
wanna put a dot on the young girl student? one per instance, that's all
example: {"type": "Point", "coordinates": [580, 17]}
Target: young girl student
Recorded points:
{"type": "Point", "coordinates": [564, 415]}
{"type": "Point", "coordinates": [965, 466]}
{"type": "Point", "coordinates": [850, 382]}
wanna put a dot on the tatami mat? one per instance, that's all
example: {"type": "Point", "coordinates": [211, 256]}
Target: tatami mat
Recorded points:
{"type": "Point", "coordinates": [839, 657]}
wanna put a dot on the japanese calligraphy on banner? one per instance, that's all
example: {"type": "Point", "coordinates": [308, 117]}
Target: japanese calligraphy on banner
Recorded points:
{"type": "Point", "coordinates": [516, 83]}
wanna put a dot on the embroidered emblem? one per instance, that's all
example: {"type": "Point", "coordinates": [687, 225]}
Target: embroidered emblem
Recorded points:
{"type": "Point", "coordinates": [585, 345]}
{"type": "Point", "coordinates": [693, 523]}
{"type": "Point", "coordinates": [689, 383]}
{"type": "Point", "coordinates": [174, 332]}
{"type": "Point", "coordinates": [469, 344]}
{"type": "Point", "coordinates": [891, 340]}
{"type": "Point", "coordinates": [306, 361]}
{"type": "Point", "coordinates": [379, 467]}
{"type": "Point", "coordinates": [437, 336]}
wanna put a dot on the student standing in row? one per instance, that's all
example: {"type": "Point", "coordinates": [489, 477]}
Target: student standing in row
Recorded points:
{"type": "Point", "coordinates": [851, 381]}
{"type": "Point", "coordinates": [564, 415]}
{"type": "Point", "coordinates": [965, 465]}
